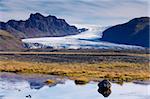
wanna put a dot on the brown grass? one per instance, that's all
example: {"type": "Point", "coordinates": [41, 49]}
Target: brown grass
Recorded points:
{"type": "Point", "coordinates": [120, 71]}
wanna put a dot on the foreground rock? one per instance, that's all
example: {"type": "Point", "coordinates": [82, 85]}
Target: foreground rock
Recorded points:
{"type": "Point", "coordinates": [105, 84]}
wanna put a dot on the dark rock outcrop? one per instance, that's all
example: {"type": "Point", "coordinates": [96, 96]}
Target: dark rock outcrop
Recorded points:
{"type": "Point", "coordinates": [134, 32]}
{"type": "Point", "coordinates": [9, 43]}
{"type": "Point", "coordinates": [39, 26]}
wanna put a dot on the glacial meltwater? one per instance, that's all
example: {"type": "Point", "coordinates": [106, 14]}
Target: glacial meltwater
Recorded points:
{"type": "Point", "coordinates": [25, 86]}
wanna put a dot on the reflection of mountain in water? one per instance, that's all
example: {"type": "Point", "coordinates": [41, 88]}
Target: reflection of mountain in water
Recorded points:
{"type": "Point", "coordinates": [1, 96]}
{"type": "Point", "coordinates": [18, 82]}
{"type": "Point", "coordinates": [36, 85]}
{"type": "Point", "coordinates": [39, 85]}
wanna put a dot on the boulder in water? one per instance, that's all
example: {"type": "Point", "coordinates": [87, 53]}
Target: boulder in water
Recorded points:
{"type": "Point", "coordinates": [105, 84]}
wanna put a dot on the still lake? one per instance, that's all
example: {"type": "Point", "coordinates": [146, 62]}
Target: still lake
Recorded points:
{"type": "Point", "coordinates": [25, 86]}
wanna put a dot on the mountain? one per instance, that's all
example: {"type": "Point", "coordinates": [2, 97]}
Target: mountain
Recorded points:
{"type": "Point", "coordinates": [9, 42]}
{"type": "Point", "coordinates": [39, 26]}
{"type": "Point", "coordinates": [134, 32]}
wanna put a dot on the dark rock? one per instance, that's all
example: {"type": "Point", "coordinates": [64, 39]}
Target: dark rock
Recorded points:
{"type": "Point", "coordinates": [105, 84]}
{"type": "Point", "coordinates": [104, 88]}
{"type": "Point", "coordinates": [134, 32]}
{"type": "Point", "coordinates": [39, 26]}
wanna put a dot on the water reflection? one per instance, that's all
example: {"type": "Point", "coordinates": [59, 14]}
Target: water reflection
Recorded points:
{"type": "Point", "coordinates": [104, 92]}
{"type": "Point", "coordinates": [36, 85]}
{"type": "Point", "coordinates": [34, 88]}
{"type": "Point", "coordinates": [33, 81]}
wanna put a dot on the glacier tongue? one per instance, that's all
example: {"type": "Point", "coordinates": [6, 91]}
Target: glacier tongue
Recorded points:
{"type": "Point", "coordinates": [85, 40]}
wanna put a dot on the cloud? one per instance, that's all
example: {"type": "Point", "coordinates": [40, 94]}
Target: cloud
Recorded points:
{"type": "Point", "coordinates": [101, 12]}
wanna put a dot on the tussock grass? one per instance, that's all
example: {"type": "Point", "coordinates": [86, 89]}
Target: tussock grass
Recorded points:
{"type": "Point", "coordinates": [49, 81]}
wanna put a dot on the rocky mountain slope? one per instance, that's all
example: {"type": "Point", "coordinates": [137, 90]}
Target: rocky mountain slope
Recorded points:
{"type": "Point", "coordinates": [39, 26]}
{"type": "Point", "coordinates": [134, 32]}
{"type": "Point", "coordinates": [9, 42]}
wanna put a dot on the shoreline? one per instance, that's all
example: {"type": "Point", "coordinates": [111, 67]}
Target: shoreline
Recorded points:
{"type": "Point", "coordinates": [42, 78]}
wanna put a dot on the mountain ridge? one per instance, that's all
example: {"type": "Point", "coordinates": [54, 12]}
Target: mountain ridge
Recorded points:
{"type": "Point", "coordinates": [38, 25]}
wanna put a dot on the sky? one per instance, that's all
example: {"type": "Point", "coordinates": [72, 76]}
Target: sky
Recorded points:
{"type": "Point", "coordinates": [92, 12]}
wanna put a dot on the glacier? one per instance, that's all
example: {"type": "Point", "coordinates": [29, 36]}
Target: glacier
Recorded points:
{"type": "Point", "coordinates": [89, 39]}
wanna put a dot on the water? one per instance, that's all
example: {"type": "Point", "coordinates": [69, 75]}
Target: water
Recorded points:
{"type": "Point", "coordinates": [15, 86]}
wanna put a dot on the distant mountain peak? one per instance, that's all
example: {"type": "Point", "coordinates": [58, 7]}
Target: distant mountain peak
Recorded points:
{"type": "Point", "coordinates": [39, 26]}
{"type": "Point", "coordinates": [36, 15]}
{"type": "Point", "coordinates": [134, 32]}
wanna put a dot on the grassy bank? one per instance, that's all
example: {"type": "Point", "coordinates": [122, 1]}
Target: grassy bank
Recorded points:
{"type": "Point", "coordinates": [113, 70]}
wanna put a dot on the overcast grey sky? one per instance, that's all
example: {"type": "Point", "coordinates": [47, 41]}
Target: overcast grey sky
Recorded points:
{"type": "Point", "coordinates": [99, 12]}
